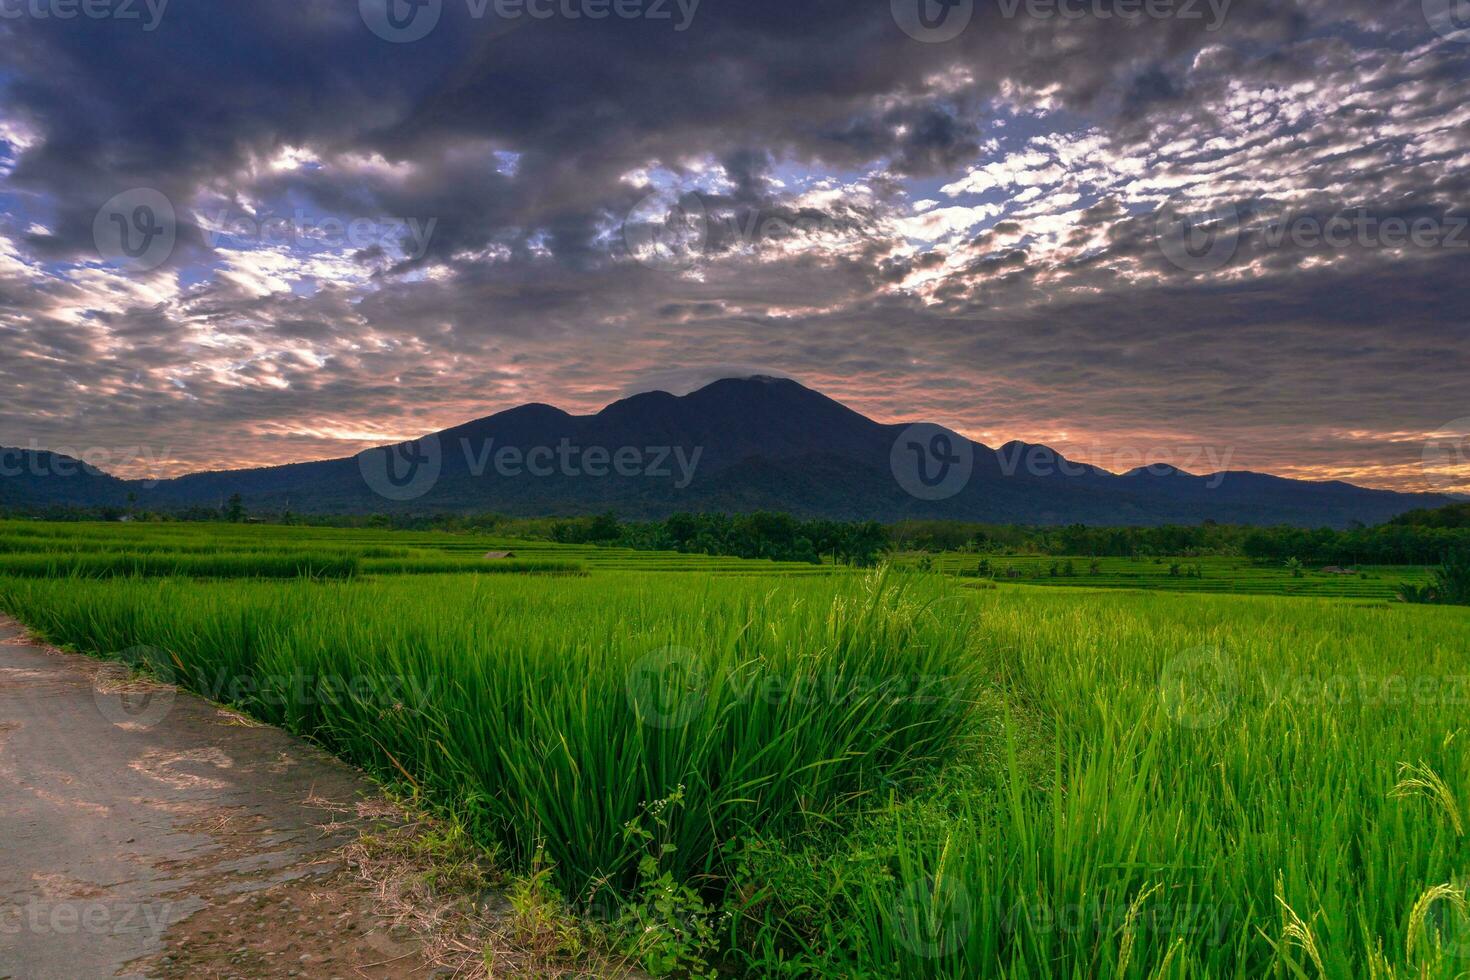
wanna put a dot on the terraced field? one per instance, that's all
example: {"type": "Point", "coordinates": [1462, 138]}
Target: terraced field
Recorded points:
{"type": "Point", "coordinates": [1215, 575]}
{"type": "Point", "coordinates": [596, 557]}
{"type": "Point", "coordinates": [228, 551]}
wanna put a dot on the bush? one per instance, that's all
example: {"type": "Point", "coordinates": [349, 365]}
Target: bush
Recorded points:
{"type": "Point", "coordinates": [1450, 584]}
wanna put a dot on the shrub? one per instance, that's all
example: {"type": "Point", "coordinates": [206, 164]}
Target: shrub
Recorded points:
{"type": "Point", "coordinates": [1450, 583]}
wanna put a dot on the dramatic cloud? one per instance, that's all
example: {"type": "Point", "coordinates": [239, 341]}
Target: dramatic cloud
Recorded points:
{"type": "Point", "coordinates": [1191, 231]}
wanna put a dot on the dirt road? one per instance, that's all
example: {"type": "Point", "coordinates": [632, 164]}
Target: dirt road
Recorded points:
{"type": "Point", "coordinates": [152, 834]}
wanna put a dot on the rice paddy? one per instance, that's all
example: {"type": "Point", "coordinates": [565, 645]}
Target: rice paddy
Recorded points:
{"type": "Point", "coordinates": [810, 771]}
{"type": "Point", "coordinates": [1207, 574]}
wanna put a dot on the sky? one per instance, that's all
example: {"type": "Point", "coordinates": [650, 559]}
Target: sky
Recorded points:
{"type": "Point", "coordinates": [1210, 233]}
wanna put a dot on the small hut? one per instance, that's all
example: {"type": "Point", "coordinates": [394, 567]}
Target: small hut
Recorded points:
{"type": "Point", "coordinates": [499, 555]}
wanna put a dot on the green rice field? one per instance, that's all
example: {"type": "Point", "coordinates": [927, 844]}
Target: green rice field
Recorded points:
{"type": "Point", "coordinates": [24, 545]}
{"type": "Point", "coordinates": [734, 768]}
{"type": "Point", "coordinates": [1209, 574]}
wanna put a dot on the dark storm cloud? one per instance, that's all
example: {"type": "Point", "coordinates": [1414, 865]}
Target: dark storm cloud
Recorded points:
{"type": "Point", "coordinates": [219, 87]}
{"type": "Point", "coordinates": [1028, 288]}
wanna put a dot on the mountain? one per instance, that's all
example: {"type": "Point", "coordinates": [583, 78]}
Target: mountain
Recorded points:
{"type": "Point", "coordinates": [36, 478]}
{"type": "Point", "coordinates": [744, 444]}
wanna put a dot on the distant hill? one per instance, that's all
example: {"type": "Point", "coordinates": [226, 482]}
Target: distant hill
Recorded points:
{"type": "Point", "coordinates": [29, 478]}
{"type": "Point", "coordinates": [737, 445]}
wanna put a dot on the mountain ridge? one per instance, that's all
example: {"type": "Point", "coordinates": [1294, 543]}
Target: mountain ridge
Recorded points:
{"type": "Point", "coordinates": [736, 444]}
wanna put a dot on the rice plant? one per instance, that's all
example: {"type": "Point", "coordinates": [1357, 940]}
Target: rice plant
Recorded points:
{"type": "Point", "coordinates": [554, 715]}
{"type": "Point", "coordinates": [158, 565]}
{"type": "Point", "coordinates": [844, 776]}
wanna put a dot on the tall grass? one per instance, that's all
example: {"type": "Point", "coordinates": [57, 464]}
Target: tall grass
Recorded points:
{"type": "Point", "coordinates": [1170, 787]}
{"type": "Point", "coordinates": [554, 717]}
{"type": "Point", "coordinates": [889, 777]}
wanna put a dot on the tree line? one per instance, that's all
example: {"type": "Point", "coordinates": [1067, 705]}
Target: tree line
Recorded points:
{"type": "Point", "coordinates": [1401, 542]}
{"type": "Point", "coordinates": [1416, 538]}
{"type": "Point", "coordinates": [778, 537]}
